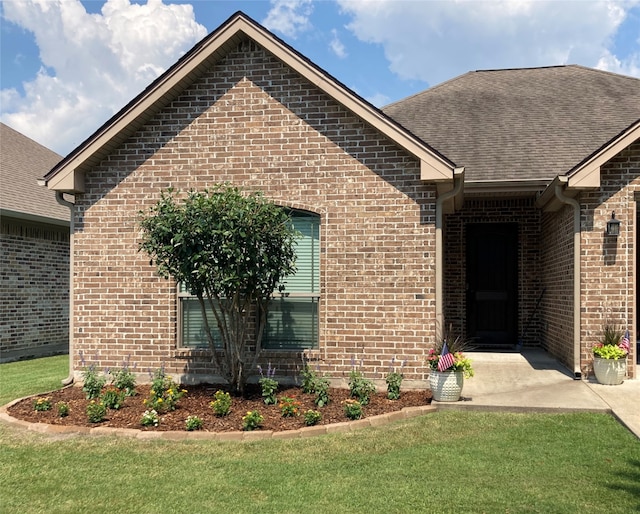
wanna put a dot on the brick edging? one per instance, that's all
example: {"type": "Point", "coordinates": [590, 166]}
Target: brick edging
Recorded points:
{"type": "Point", "coordinates": [175, 435]}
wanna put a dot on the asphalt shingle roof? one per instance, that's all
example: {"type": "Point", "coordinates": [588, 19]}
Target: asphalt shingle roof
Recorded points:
{"type": "Point", "coordinates": [22, 163]}
{"type": "Point", "coordinates": [521, 124]}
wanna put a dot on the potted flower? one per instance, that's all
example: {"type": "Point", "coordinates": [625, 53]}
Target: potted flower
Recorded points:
{"type": "Point", "coordinates": [610, 356]}
{"type": "Point", "coordinates": [448, 369]}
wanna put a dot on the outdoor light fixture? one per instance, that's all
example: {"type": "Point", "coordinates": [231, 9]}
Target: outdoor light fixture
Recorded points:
{"type": "Point", "coordinates": [613, 225]}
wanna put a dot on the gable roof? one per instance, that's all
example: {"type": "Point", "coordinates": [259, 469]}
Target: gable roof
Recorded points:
{"type": "Point", "coordinates": [22, 163]}
{"type": "Point", "coordinates": [522, 126]}
{"type": "Point", "coordinates": [68, 175]}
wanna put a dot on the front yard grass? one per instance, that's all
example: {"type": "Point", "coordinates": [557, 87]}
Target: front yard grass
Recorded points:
{"type": "Point", "coordinates": [443, 462]}
{"type": "Point", "coordinates": [23, 378]}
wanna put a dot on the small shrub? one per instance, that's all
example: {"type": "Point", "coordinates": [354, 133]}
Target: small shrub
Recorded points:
{"type": "Point", "coordinates": [150, 419]}
{"type": "Point", "coordinates": [112, 397]}
{"type": "Point", "coordinates": [93, 382]}
{"type": "Point", "coordinates": [42, 404]}
{"type": "Point", "coordinates": [312, 417]}
{"type": "Point", "coordinates": [193, 423]}
{"type": "Point", "coordinates": [352, 409]}
{"type": "Point", "coordinates": [125, 380]}
{"type": "Point", "coordinates": [394, 380]}
{"type": "Point", "coordinates": [252, 421]}
{"type": "Point", "coordinates": [269, 385]}
{"type": "Point", "coordinates": [361, 388]}
{"type": "Point", "coordinates": [165, 393]}
{"type": "Point", "coordinates": [63, 409]}
{"type": "Point", "coordinates": [321, 388]}
{"type": "Point", "coordinates": [221, 404]}
{"type": "Point", "coordinates": [96, 411]}
{"type": "Point", "coordinates": [289, 407]}
{"type": "Point", "coordinates": [308, 379]}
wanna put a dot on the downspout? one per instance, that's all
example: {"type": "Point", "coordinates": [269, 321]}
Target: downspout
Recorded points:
{"type": "Point", "coordinates": [559, 191]}
{"type": "Point", "coordinates": [458, 181]}
{"type": "Point", "coordinates": [60, 199]}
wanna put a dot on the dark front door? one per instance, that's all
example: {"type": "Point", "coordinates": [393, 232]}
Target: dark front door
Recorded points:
{"type": "Point", "coordinates": [492, 284]}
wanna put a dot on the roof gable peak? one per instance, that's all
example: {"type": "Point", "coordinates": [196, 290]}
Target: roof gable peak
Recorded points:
{"type": "Point", "coordinates": [68, 176]}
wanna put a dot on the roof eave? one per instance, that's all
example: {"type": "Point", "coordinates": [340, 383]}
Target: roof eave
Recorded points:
{"type": "Point", "coordinates": [586, 175]}
{"type": "Point", "coordinates": [505, 187]}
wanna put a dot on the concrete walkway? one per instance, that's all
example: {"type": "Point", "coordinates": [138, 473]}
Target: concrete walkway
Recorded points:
{"type": "Point", "coordinates": [534, 381]}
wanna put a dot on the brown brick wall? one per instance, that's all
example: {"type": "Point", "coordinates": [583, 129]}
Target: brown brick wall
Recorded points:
{"type": "Point", "coordinates": [34, 298]}
{"type": "Point", "coordinates": [253, 122]}
{"type": "Point", "coordinates": [608, 263]}
{"type": "Point", "coordinates": [557, 268]}
{"type": "Point", "coordinates": [520, 211]}
{"type": "Point", "coordinates": [607, 275]}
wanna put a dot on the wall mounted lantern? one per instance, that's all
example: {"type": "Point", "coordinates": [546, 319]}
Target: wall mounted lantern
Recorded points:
{"type": "Point", "coordinates": [613, 225]}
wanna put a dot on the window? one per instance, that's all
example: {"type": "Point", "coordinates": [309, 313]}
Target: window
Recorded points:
{"type": "Point", "coordinates": [192, 331]}
{"type": "Point", "coordinates": [292, 321]}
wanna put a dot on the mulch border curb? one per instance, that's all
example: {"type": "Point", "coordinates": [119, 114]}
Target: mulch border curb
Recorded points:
{"type": "Point", "coordinates": [183, 435]}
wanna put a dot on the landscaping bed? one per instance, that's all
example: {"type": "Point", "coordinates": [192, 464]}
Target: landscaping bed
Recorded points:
{"type": "Point", "coordinates": [196, 402]}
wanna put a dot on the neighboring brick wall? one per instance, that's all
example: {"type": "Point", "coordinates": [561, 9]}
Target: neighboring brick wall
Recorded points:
{"type": "Point", "coordinates": [34, 297]}
{"type": "Point", "coordinates": [521, 211]}
{"type": "Point", "coordinates": [556, 272]}
{"type": "Point", "coordinates": [608, 264]}
{"type": "Point", "coordinates": [255, 123]}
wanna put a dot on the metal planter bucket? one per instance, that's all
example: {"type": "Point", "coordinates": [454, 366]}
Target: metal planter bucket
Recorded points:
{"type": "Point", "coordinates": [609, 371]}
{"type": "Point", "coordinates": [446, 386]}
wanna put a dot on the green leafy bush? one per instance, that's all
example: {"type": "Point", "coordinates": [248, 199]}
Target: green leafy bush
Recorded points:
{"type": "Point", "coordinates": [252, 420]}
{"type": "Point", "coordinates": [269, 385]}
{"type": "Point", "coordinates": [96, 411]}
{"type": "Point", "coordinates": [193, 423]}
{"type": "Point", "coordinates": [360, 388]}
{"type": "Point", "coordinates": [165, 393]}
{"type": "Point", "coordinates": [289, 407]}
{"type": "Point", "coordinates": [321, 389]}
{"type": "Point", "coordinates": [352, 409]}
{"type": "Point", "coordinates": [63, 409]}
{"type": "Point", "coordinates": [42, 404]}
{"type": "Point", "coordinates": [150, 418]}
{"type": "Point", "coordinates": [93, 382]}
{"type": "Point", "coordinates": [394, 380]}
{"type": "Point", "coordinates": [125, 380]}
{"type": "Point", "coordinates": [312, 417]}
{"type": "Point", "coordinates": [112, 397]}
{"type": "Point", "coordinates": [221, 403]}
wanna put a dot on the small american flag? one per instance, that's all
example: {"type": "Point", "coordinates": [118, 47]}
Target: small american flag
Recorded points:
{"type": "Point", "coordinates": [446, 359]}
{"type": "Point", "coordinates": [624, 344]}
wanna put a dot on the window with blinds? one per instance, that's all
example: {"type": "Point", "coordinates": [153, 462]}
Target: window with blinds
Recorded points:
{"type": "Point", "coordinates": [292, 321]}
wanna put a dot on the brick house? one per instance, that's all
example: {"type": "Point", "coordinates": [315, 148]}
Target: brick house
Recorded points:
{"type": "Point", "coordinates": [394, 225]}
{"type": "Point", "coordinates": [549, 155]}
{"type": "Point", "coordinates": [34, 261]}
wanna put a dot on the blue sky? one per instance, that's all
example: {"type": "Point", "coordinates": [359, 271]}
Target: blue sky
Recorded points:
{"type": "Point", "coordinates": [68, 65]}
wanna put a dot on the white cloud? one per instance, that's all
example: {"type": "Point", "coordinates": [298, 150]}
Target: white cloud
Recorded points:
{"type": "Point", "coordinates": [434, 41]}
{"type": "Point", "coordinates": [289, 17]}
{"type": "Point", "coordinates": [92, 64]}
{"type": "Point", "coordinates": [630, 65]}
{"type": "Point", "coordinates": [378, 99]}
{"type": "Point", "coordinates": [336, 45]}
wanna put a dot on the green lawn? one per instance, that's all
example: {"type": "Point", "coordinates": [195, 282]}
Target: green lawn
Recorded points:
{"type": "Point", "coordinates": [443, 462]}
{"type": "Point", "coordinates": [18, 379]}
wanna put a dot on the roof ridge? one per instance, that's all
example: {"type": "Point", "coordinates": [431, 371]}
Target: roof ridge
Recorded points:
{"type": "Point", "coordinates": [577, 66]}
{"type": "Point", "coordinates": [429, 89]}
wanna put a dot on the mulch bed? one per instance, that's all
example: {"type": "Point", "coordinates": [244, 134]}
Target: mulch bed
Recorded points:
{"type": "Point", "coordinates": [196, 402]}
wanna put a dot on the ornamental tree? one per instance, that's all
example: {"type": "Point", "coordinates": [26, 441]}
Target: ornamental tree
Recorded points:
{"type": "Point", "coordinates": [232, 251]}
